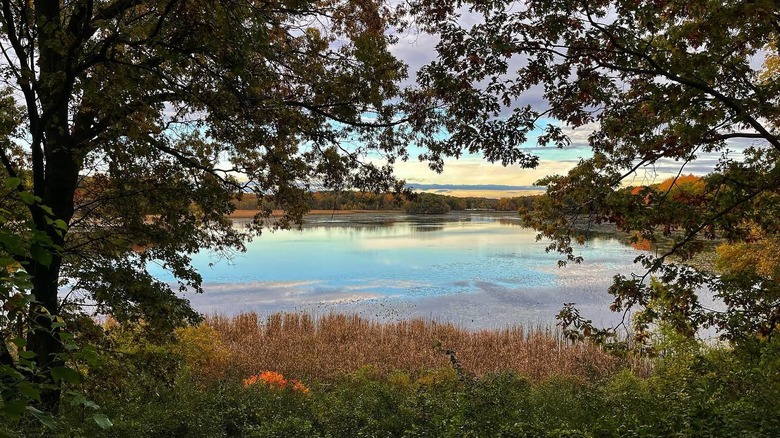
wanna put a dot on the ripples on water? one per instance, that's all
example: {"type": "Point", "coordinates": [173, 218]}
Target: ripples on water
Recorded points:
{"type": "Point", "coordinates": [478, 270]}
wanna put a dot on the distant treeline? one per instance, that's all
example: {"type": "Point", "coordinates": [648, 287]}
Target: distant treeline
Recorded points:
{"type": "Point", "coordinates": [352, 200]}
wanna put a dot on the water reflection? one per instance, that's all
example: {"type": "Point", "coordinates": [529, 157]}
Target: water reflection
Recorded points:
{"type": "Point", "coordinates": [479, 270]}
{"type": "Point", "coordinates": [427, 228]}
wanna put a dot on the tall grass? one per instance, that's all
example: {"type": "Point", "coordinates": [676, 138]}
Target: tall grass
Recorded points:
{"type": "Point", "coordinates": [326, 346]}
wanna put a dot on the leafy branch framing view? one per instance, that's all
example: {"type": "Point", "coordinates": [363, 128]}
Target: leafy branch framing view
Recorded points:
{"type": "Point", "coordinates": [129, 127]}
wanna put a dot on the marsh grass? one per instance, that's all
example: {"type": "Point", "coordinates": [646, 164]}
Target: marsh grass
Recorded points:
{"type": "Point", "coordinates": [327, 346]}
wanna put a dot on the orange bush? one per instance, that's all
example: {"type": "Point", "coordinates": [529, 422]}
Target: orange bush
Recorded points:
{"type": "Point", "coordinates": [642, 245]}
{"type": "Point", "coordinates": [277, 381]}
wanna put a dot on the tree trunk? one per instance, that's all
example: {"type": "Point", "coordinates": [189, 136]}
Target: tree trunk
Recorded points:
{"type": "Point", "coordinates": [61, 181]}
{"type": "Point", "coordinates": [43, 339]}
{"type": "Point", "coordinates": [55, 176]}
{"type": "Point", "coordinates": [62, 169]}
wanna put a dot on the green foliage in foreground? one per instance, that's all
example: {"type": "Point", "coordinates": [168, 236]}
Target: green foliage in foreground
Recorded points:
{"type": "Point", "coordinates": [694, 391]}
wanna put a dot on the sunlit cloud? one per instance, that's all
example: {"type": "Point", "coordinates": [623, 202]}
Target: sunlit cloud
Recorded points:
{"type": "Point", "coordinates": [476, 171]}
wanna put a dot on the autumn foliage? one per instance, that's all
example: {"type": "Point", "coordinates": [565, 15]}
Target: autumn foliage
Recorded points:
{"type": "Point", "coordinates": [684, 188]}
{"type": "Point", "coordinates": [275, 380]}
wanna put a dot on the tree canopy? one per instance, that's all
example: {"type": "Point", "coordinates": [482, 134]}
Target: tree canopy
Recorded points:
{"type": "Point", "coordinates": [128, 127]}
{"type": "Point", "coordinates": [132, 125]}
{"type": "Point", "coordinates": [662, 84]}
{"type": "Point", "coordinates": [427, 203]}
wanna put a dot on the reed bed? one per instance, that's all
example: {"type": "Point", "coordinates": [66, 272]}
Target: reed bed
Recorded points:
{"type": "Point", "coordinates": [326, 346]}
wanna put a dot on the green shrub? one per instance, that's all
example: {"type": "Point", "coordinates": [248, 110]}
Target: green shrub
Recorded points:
{"type": "Point", "coordinates": [148, 390]}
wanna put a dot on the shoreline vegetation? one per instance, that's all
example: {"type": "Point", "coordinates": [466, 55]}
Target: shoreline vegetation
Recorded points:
{"type": "Point", "coordinates": [251, 213]}
{"type": "Point", "coordinates": [336, 375]}
{"type": "Point", "coordinates": [247, 205]}
{"type": "Point", "coordinates": [334, 344]}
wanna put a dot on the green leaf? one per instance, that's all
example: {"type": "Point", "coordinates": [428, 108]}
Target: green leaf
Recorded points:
{"type": "Point", "coordinates": [12, 183]}
{"type": "Point", "coordinates": [27, 354]}
{"type": "Point", "coordinates": [14, 408]}
{"type": "Point", "coordinates": [27, 198]}
{"type": "Point", "coordinates": [59, 223]}
{"type": "Point", "coordinates": [102, 421]}
{"type": "Point", "coordinates": [11, 243]}
{"type": "Point", "coordinates": [40, 255]}
{"type": "Point", "coordinates": [89, 354]}
{"type": "Point", "coordinates": [80, 399]}
{"type": "Point", "coordinates": [19, 342]}
{"type": "Point", "coordinates": [46, 208]}
{"type": "Point", "coordinates": [11, 372]}
{"type": "Point", "coordinates": [29, 391]}
{"type": "Point", "coordinates": [6, 261]}
{"type": "Point", "coordinates": [57, 323]}
{"type": "Point", "coordinates": [65, 374]}
{"type": "Point", "coordinates": [44, 417]}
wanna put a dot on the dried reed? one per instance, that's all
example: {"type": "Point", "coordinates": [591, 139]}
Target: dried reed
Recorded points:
{"type": "Point", "coordinates": [330, 345]}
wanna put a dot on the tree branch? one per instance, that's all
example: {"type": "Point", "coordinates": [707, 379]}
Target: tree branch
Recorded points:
{"type": "Point", "coordinates": [732, 104]}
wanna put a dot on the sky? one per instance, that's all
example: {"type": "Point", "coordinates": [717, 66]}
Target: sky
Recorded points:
{"type": "Point", "coordinates": [471, 175]}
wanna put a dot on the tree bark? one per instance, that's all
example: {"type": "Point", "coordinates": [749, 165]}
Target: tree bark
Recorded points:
{"type": "Point", "coordinates": [43, 338]}
{"type": "Point", "coordinates": [61, 182]}
{"type": "Point", "coordinates": [55, 178]}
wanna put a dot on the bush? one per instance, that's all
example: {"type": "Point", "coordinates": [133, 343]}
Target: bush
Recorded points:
{"type": "Point", "coordinates": [150, 390]}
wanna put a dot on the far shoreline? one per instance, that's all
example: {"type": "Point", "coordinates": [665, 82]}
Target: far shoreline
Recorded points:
{"type": "Point", "coordinates": [249, 214]}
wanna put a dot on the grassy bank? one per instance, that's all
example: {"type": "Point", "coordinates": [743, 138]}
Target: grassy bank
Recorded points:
{"type": "Point", "coordinates": [343, 376]}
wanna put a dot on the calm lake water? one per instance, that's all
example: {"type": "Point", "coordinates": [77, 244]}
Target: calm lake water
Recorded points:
{"type": "Point", "coordinates": [478, 270]}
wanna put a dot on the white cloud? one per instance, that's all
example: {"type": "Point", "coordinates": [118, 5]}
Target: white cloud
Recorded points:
{"type": "Point", "coordinates": [477, 171]}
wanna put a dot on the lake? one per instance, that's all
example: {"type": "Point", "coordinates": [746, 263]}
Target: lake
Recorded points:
{"type": "Point", "coordinates": [475, 269]}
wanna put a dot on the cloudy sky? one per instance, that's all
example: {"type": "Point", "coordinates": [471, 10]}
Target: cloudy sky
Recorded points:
{"type": "Point", "coordinates": [471, 175]}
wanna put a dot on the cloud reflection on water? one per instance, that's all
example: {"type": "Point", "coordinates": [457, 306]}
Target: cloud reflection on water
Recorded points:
{"type": "Point", "coordinates": [475, 269]}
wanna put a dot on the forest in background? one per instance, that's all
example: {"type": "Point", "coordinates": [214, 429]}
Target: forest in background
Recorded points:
{"type": "Point", "coordinates": [353, 200]}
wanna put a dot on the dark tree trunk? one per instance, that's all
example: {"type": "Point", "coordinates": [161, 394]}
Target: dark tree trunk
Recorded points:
{"type": "Point", "coordinates": [43, 339]}
{"type": "Point", "coordinates": [61, 182]}
{"type": "Point", "coordinates": [55, 177]}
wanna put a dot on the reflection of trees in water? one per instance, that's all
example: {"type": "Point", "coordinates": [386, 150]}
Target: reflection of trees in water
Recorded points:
{"type": "Point", "coordinates": [356, 226]}
{"type": "Point", "coordinates": [358, 229]}
{"type": "Point", "coordinates": [427, 228]}
{"type": "Point", "coordinates": [372, 223]}
{"type": "Point", "coordinates": [662, 244]}
{"type": "Point", "coordinates": [426, 224]}
{"type": "Point", "coordinates": [511, 222]}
